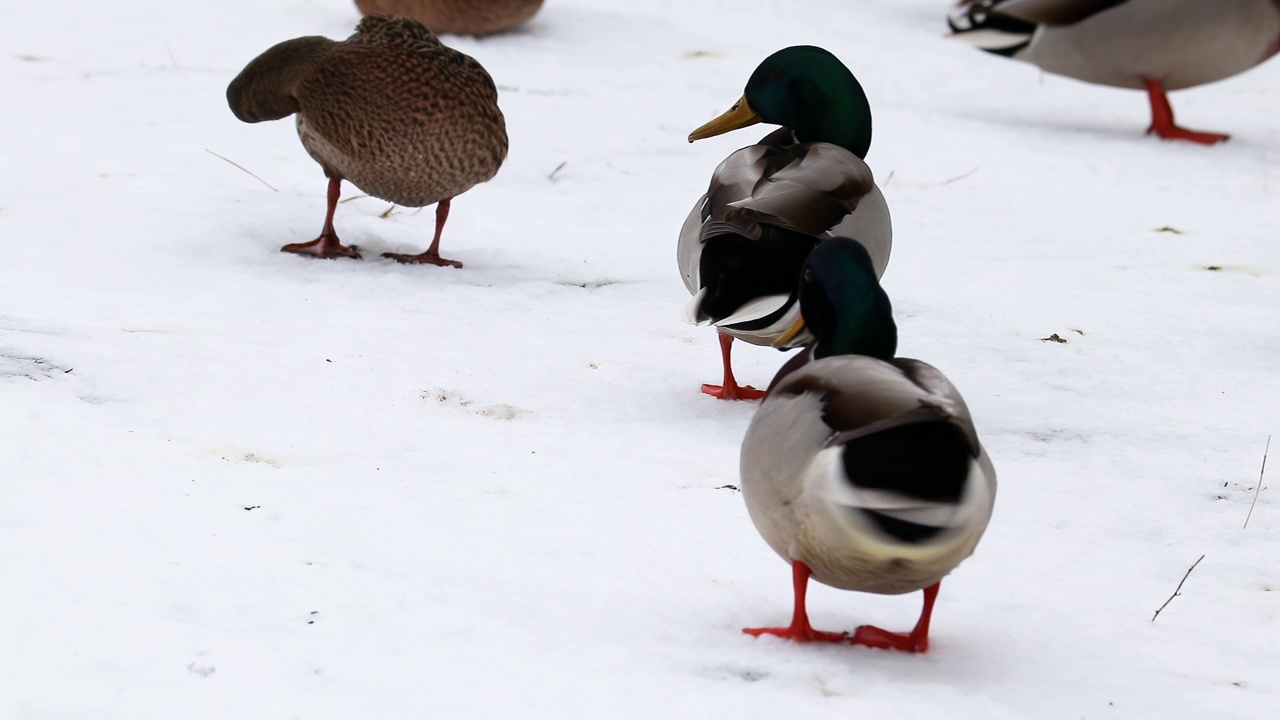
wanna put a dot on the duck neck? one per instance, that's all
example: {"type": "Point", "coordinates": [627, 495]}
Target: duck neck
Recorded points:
{"type": "Point", "coordinates": [842, 119]}
{"type": "Point", "coordinates": [862, 325]}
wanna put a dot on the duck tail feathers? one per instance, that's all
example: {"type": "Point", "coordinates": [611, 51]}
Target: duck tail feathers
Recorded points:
{"type": "Point", "coordinates": [981, 25]}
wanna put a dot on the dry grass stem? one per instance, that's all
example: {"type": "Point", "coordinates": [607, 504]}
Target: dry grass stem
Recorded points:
{"type": "Point", "coordinates": [264, 182]}
{"type": "Point", "coordinates": [1259, 488]}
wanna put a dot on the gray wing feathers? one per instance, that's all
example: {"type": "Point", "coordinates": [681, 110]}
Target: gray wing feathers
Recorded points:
{"type": "Point", "coordinates": [689, 247]}
{"type": "Point", "coordinates": [812, 188]}
{"type": "Point", "coordinates": [784, 435]}
{"type": "Point", "coordinates": [871, 226]}
{"type": "Point", "coordinates": [1054, 12]}
{"type": "Point", "coordinates": [862, 395]}
{"type": "Point", "coordinates": [816, 185]}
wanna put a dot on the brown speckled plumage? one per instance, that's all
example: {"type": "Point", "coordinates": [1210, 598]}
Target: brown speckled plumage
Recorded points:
{"type": "Point", "coordinates": [390, 109]}
{"type": "Point", "coordinates": [458, 17]}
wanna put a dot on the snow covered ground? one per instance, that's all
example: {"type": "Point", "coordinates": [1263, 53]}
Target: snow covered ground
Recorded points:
{"type": "Point", "coordinates": [243, 484]}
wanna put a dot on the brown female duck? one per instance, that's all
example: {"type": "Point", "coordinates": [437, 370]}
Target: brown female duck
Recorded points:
{"type": "Point", "coordinates": [390, 109]}
{"type": "Point", "coordinates": [458, 17]}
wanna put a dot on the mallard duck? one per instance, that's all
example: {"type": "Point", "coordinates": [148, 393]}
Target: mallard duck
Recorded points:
{"type": "Point", "coordinates": [390, 109]}
{"type": "Point", "coordinates": [458, 17]}
{"type": "Point", "coordinates": [861, 469]}
{"type": "Point", "coordinates": [1152, 45]}
{"type": "Point", "coordinates": [742, 245]}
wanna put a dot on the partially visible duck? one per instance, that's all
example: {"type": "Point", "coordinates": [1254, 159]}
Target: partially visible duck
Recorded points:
{"type": "Point", "coordinates": [1152, 45]}
{"type": "Point", "coordinates": [390, 109]}
{"type": "Point", "coordinates": [743, 244]}
{"type": "Point", "coordinates": [458, 17]}
{"type": "Point", "coordinates": [861, 469]}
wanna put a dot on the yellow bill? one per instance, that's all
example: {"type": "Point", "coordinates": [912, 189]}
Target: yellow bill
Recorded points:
{"type": "Point", "coordinates": [796, 328]}
{"type": "Point", "coordinates": [738, 116]}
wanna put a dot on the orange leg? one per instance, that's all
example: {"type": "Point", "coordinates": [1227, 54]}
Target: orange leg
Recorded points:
{"type": "Point", "coordinates": [916, 641]}
{"type": "Point", "coordinates": [432, 255]}
{"type": "Point", "coordinates": [799, 630]}
{"type": "Point", "coordinates": [327, 245]}
{"type": "Point", "coordinates": [730, 390]}
{"type": "Point", "coordinates": [1162, 122]}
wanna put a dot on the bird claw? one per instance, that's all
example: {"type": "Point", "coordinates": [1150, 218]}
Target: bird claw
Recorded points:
{"type": "Point", "coordinates": [1173, 132]}
{"type": "Point", "coordinates": [323, 247]}
{"type": "Point", "coordinates": [803, 634]}
{"type": "Point", "coordinates": [427, 258]}
{"type": "Point", "coordinates": [872, 636]}
{"type": "Point", "coordinates": [733, 392]}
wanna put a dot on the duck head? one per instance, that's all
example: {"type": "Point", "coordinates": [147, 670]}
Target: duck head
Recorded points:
{"type": "Point", "coordinates": [808, 90]}
{"type": "Point", "coordinates": [842, 303]}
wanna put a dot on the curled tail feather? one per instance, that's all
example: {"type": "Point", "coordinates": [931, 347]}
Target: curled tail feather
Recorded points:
{"type": "Point", "coordinates": [979, 23]}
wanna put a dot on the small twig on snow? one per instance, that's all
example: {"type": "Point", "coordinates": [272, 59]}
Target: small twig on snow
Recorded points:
{"type": "Point", "coordinates": [552, 176]}
{"type": "Point", "coordinates": [264, 182]}
{"type": "Point", "coordinates": [959, 177]}
{"type": "Point", "coordinates": [1178, 590]}
{"type": "Point", "coordinates": [1259, 488]}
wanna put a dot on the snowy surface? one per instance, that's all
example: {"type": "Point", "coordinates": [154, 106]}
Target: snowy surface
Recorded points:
{"type": "Point", "coordinates": [243, 484]}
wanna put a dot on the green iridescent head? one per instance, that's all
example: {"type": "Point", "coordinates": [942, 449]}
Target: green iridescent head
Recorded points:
{"type": "Point", "coordinates": [842, 302]}
{"type": "Point", "coordinates": [808, 90]}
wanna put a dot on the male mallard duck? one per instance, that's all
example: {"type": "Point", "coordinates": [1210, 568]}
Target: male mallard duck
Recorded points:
{"type": "Point", "coordinates": [458, 17]}
{"type": "Point", "coordinates": [1156, 45]}
{"type": "Point", "coordinates": [863, 470]}
{"type": "Point", "coordinates": [400, 115]}
{"type": "Point", "coordinates": [743, 244]}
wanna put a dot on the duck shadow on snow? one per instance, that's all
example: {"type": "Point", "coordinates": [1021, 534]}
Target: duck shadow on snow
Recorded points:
{"type": "Point", "coordinates": [841, 670]}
